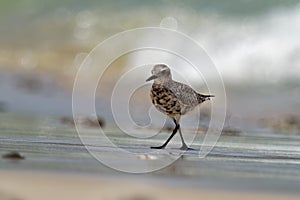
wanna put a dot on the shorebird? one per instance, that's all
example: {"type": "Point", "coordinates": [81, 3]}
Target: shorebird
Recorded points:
{"type": "Point", "coordinates": [172, 98]}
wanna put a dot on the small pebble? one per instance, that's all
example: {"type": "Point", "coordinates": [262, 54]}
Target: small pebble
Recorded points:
{"type": "Point", "coordinates": [89, 122]}
{"type": "Point", "coordinates": [147, 157]}
{"type": "Point", "coordinates": [13, 156]}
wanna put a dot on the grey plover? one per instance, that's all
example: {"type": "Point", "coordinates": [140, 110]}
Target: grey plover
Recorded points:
{"type": "Point", "coordinates": [173, 99]}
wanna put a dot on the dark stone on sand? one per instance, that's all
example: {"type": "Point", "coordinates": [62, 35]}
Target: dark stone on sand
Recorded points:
{"type": "Point", "coordinates": [94, 123]}
{"type": "Point", "coordinates": [89, 122]}
{"type": "Point", "coordinates": [14, 155]}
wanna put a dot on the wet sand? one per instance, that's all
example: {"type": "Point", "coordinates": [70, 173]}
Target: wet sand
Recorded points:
{"type": "Point", "coordinates": [19, 185]}
{"type": "Point", "coordinates": [56, 165]}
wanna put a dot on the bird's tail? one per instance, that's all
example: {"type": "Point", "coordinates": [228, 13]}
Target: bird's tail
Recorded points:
{"type": "Point", "coordinates": [203, 97]}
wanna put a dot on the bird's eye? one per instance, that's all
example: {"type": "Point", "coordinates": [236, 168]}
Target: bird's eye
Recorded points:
{"type": "Point", "coordinates": [164, 71]}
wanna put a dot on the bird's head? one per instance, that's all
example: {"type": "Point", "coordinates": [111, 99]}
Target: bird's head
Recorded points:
{"type": "Point", "coordinates": [160, 73]}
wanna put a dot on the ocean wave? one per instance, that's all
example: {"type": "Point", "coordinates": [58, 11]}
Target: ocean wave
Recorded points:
{"type": "Point", "coordinates": [264, 49]}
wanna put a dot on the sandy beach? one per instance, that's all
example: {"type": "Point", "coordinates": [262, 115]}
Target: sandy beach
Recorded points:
{"type": "Point", "coordinates": [20, 185]}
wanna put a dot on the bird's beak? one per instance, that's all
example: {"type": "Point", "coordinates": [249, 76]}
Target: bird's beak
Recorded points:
{"type": "Point", "coordinates": [151, 78]}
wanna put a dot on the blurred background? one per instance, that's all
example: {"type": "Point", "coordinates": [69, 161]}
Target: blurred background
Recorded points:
{"type": "Point", "coordinates": [254, 44]}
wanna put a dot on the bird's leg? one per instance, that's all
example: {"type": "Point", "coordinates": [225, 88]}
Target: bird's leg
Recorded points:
{"type": "Point", "coordinates": [168, 140]}
{"type": "Point", "coordinates": [184, 146]}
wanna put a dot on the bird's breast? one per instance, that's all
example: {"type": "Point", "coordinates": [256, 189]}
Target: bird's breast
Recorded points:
{"type": "Point", "coordinates": [165, 101]}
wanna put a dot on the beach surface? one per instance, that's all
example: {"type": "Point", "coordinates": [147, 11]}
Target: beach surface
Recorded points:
{"type": "Point", "coordinates": [54, 164]}
{"type": "Point", "coordinates": [47, 186]}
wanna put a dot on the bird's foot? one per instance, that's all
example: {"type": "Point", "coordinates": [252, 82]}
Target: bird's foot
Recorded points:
{"type": "Point", "coordinates": [186, 148]}
{"type": "Point", "coordinates": [159, 147]}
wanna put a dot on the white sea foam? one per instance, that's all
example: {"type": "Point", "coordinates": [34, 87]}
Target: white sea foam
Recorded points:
{"type": "Point", "coordinates": [265, 48]}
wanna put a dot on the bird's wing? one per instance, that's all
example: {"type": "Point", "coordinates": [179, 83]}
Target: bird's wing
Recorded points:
{"type": "Point", "coordinates": [184, 93]}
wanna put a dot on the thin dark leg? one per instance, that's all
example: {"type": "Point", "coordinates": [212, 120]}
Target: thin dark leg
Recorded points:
{"type": "Point", "coordinates": [184, 146]}
{"type": "Point", "coordinates": [168, 140]}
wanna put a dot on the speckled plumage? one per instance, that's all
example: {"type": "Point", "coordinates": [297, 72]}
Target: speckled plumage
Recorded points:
{"type": "Point", "coordinates": [174, 98]}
